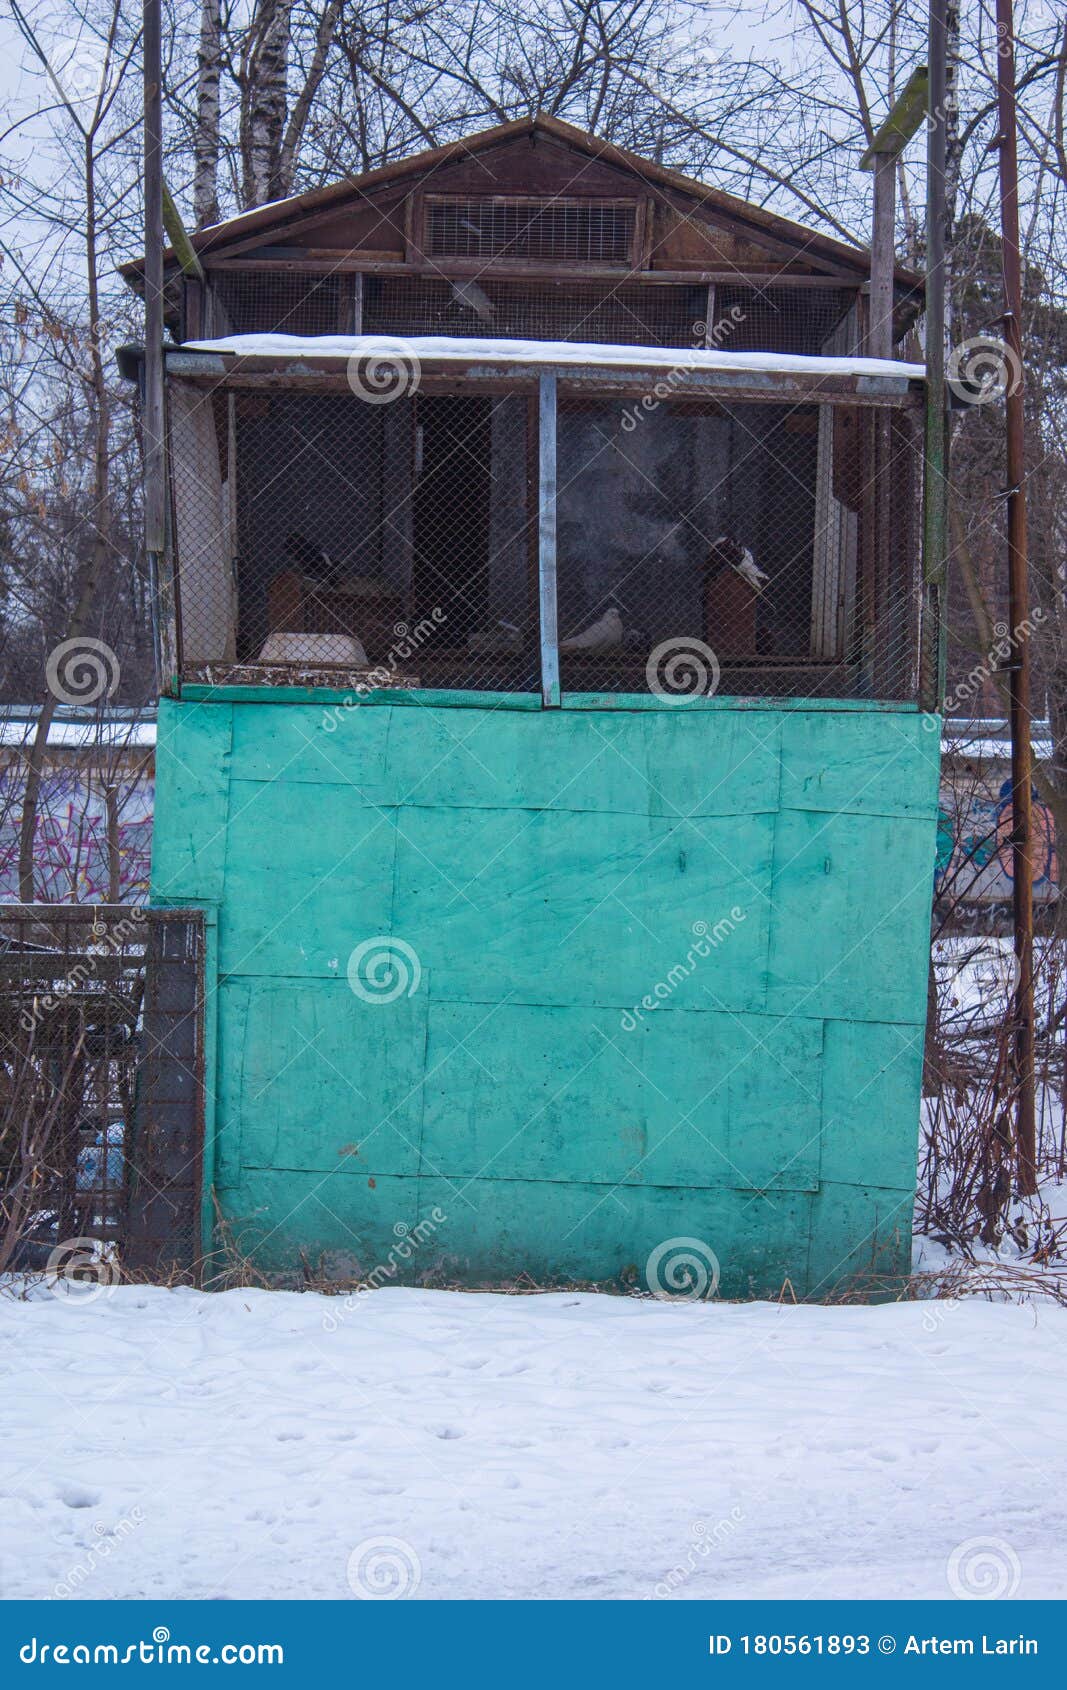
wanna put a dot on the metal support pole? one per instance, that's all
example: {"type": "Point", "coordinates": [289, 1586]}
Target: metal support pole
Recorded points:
{"type": "Point", "coordinates": [152, 415]}
{"type": "Point", "coordinates": [1018, 611]}
{"type": "Point", "coordinates": [935, 454]}
{"type": "Point", "coordinates": [546, 541]}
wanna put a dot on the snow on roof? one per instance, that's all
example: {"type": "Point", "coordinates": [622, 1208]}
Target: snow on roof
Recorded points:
{"type": "Point", "coordinates": [442, 348]}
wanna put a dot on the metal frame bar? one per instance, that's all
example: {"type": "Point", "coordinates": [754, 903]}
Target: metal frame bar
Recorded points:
{"type": "Point", "coordinates": [546, 541]}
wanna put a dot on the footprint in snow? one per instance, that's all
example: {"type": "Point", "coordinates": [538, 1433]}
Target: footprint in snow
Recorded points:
{"type": "Point", "coordinates": [288, 1435]}
{"type": "Point", "coordinates": [447, 1432]}
{"type": "Point", "coordinates": [78, 1496]}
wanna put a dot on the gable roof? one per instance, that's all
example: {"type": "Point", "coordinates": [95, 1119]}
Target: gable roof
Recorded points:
{"type": "Point", "coordinates": [748, 219]}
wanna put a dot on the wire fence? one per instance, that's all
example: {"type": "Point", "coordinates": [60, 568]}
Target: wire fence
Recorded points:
{"type": "Point", "coordinates": [101, 1088]}
{"type": "Point", "coordinates": [620, 311]}
{"type": "Point", "coordinates": [399, 539]}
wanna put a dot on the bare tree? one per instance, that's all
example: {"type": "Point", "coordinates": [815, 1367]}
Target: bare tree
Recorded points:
{"type": "Point", "coordinates": [88, 120]}
{"type": "Point", "coordinates": [207, 137]}
{"type": "Point", "coordinates": [263, 78]}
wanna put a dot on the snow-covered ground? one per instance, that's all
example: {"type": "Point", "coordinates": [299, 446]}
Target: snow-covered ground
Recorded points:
{"type": "Point", "coordinates": [167, 1443]}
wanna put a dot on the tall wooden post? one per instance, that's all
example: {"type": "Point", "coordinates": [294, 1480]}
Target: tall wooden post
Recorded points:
{"type": "Point", "coordinates": [883, 256]}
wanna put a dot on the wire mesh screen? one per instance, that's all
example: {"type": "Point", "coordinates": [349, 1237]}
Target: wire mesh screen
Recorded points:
{"type": "Point", "coordinates": [165, 1173]}
{"type": "Point", "coordinates": [748, 548]}
{"type": "Point", "coordinates": [799, 320]}
{"type": "Point", "coordinates": [738, 317]}
{"type": "Point", "coordinates": [328, 538]}
{"type": "Point", "coordinates": [595, 231]}
{"type": "Point", "coordinates": [268, 302]}
{"type": "Point", "coordinates": [628, 314]}
{"type": "Point", "coordinates": [85, 1056]}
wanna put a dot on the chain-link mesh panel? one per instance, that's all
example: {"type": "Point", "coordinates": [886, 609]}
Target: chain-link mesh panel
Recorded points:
{"type": "Point", "coordinates": [337, 538]}
{"type": "Point", "coordinates": [277, 302]}
{"type": "Point", "coordinates": [789, 319]}
{"type": "Point", "coordinates": [71, 993]}
{"type": "Point", "coordinates": [740, 317]}
{"type": "Point", "coordinates": [332, 539]}
{"type": "Point", "coordinates": [596, 231]}
{"type": "Point", "coordinates": [101, 1088]}
{"type": "Point", "coordinates": [163, 1232]}
{"type": "Point", "coordinates": [626, 314]}
{"type": "Point", "coordinates": [744, 549]}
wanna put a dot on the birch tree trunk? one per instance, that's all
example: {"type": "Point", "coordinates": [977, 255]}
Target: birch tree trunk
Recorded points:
{"type": "Point", "coordinates": [207, 140]}
{"type": "Point", "coordinates": [265, 101]}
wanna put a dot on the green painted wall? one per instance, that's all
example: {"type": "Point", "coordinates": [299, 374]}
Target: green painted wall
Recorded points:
{"type": "Point", "coordinates": [760, 875]}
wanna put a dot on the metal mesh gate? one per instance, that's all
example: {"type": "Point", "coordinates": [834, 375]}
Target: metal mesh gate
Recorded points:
{"type": "Point", "coordinates": [101, 1085]}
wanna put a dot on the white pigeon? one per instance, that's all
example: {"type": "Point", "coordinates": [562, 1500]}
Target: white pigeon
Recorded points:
{"type": "Point", "coordinates": [742, 561]}
{"type": "Point", "coordinates": [475, 299]}
{"type": "Point", "coordinates": [605, 634]}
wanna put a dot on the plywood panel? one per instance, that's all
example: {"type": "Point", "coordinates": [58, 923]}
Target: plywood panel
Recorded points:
{"type": "Point", "coordinates": [191, 802]}
{"type": "Point", "coordinates": [573, 1080]}
{"type": "Point", "coordinates": [680, 1099]}
{"type": "Point", "coordinates": [584, 909]}
{"type": "Point", "coordinates": [310, 874]}
{"type": "Point", "coordinates": [850, 919]}
{"type": "Point", "coordinates": [866, 765]}
{"type": "Point", "coordinates": [330, 1081]}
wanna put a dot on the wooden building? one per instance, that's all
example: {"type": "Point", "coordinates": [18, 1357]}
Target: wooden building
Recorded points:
{"type": "Point", "coordinates": [545, 729]}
